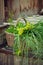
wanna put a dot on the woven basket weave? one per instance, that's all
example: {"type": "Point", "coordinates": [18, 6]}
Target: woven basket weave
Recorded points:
{"type": "Point", "coordinates": [10, 39]}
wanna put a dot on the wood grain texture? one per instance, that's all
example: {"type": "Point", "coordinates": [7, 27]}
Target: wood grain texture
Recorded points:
{"type": "Point", "coordinates": [1, 10]}
{"type": "Point", "coordinates": [29, 7]}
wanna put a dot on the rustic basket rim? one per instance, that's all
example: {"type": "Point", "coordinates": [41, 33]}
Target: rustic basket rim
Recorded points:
{"type": "Point", "coordinates": [9, 33]}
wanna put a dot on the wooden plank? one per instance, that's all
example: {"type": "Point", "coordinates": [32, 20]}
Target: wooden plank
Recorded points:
{"type": "Point", "coordinates": [1, 10]}
{"type": "Point", "coordinates": [5, 51]}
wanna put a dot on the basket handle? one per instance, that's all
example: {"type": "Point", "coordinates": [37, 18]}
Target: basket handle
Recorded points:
{"type": "Point", "coordinates": [20, 19]}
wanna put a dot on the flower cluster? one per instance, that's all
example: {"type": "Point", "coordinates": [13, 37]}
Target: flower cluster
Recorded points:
{"type": "Point", "coordinates": [28, 26]}
{"type": "Point", "coordinates": [20, 28]}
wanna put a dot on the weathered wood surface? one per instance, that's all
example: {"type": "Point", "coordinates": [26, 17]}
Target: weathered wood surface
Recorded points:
{"type": "Point", "coordinates": [7, 58]}
{"type": "Point", "coordinates": [18, 7]}
{"type": "Point", "coordinates": [29, 7]}
{"type": "Point", "coordinates": [1, 10]}
{"type": "Point", "coordinates": [14, 60]}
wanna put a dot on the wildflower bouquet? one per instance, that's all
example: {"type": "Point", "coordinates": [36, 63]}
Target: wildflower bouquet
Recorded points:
{"type": "Point", "coordinates": [27, 37]}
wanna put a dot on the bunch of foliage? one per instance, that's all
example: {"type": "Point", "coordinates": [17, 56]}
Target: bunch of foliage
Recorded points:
{"type": "Point", "coordinates": [28, 37]}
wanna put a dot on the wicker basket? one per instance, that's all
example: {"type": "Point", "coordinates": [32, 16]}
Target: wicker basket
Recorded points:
{"type": "Point", "coordinates": [10, 39]}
